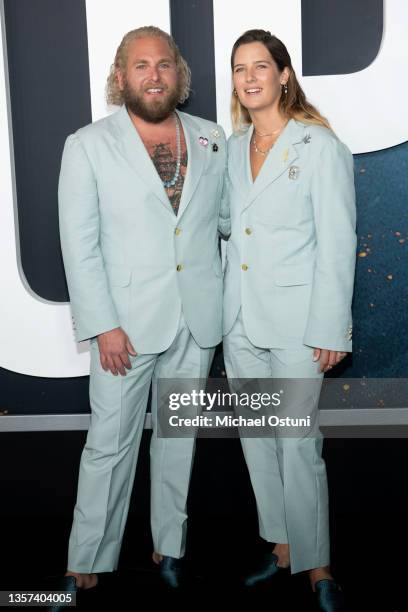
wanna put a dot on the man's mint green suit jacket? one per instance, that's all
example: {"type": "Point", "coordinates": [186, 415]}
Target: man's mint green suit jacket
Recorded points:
{"type": "Point", "coordinates": [129, 260]}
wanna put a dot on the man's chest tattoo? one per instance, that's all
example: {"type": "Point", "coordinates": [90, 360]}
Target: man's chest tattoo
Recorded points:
{"type": "Point", "coordinates": [165, 161]}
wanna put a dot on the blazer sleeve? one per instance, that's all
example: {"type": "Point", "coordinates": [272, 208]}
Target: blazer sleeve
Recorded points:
{"type": "Point", "coordinates": [91, 303]}
{"type": "Point", "coordinates": [329, 324]}
{"type": "Point", "coordinates": [224, 219]}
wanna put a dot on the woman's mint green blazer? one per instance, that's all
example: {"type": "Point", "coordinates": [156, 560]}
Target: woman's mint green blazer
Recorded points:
{"type": "Point", "coordinates": [291, 254]}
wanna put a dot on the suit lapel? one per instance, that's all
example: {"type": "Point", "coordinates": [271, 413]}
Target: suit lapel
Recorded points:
{"type": "Point", "coordinates": [131, 147]}
{"type": "Point", "coordinates": [238, 163]}
{"type": "Point", "coordinates": [196, 156]}
{"type": "Point", "coordinates": [279, 159]}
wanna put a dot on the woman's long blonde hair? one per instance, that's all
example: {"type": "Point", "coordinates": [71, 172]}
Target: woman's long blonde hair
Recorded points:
{"type": "Point", "coordinates": [292, 104]}
{"type": "Point", "coordinates": [113, 93]}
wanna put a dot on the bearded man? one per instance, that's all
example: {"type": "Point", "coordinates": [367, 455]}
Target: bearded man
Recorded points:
{"type": "Point", "coordinates": [139, 200]}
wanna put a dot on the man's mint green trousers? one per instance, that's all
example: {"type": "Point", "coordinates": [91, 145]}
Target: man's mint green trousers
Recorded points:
{"type": "Point", "coordinates": [109, 457]}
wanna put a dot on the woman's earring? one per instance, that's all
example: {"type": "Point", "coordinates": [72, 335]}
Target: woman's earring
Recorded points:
{"type": "Point", "coordinates": [285, 88]}
{"type": "Point", "coordinates": [234, 91]}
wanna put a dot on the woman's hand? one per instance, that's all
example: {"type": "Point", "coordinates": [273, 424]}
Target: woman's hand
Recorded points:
{"type": "Point", "coordinates": [327, 358]}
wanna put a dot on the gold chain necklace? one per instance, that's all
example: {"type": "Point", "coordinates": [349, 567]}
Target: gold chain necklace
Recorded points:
{"type": "Point", "coordinates": [257, 150]}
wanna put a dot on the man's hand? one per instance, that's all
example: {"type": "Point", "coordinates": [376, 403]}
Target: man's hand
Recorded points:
{"type": "Point", "coordinates": [327, 358]}
{"type": "Point", "coordinates": [114, 349]}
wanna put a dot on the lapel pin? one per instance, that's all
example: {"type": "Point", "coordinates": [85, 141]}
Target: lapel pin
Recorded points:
{"type": "Point", "coordinates": [203, 141]}
{"type": "Point", "coordinates": [215, 133]}
{"type": "Point", "coordinates": [285, 155]}
{"type": "Point", "coordinates": [215, 147]}
{"type": "Point", "coordinates": [294, 172]}
{"type": "Point", "coordinates": [307, 139]}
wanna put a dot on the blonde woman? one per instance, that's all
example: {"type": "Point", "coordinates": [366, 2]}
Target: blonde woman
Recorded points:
{"type": "Point", "coordinates": [288, 290]}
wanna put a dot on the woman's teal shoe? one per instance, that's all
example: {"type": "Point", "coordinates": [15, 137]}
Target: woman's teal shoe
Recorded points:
{"type": "Point", "coordinates": [173, 572]}
{"type": "Point", "coordinates": [267, 569]}
{"type": "Point", "coordinates": [329, 595]}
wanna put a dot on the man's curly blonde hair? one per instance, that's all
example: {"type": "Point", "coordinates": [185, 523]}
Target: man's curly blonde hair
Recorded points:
{"type": "Point", "coordinates": [113, 93]}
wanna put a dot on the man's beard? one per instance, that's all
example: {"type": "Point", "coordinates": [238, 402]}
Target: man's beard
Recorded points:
{"type": "Point", "coordinates": [157, 110]}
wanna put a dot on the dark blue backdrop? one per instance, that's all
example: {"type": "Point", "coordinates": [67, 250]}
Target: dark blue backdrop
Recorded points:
{"type": "Point", "coordinates": [381, 290]}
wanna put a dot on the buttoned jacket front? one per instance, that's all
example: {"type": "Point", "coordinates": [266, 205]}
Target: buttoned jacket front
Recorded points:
{"type": "Point", "coordinates": [129, 260]}
{"type": "Point", "coordinates": [290, 257]}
